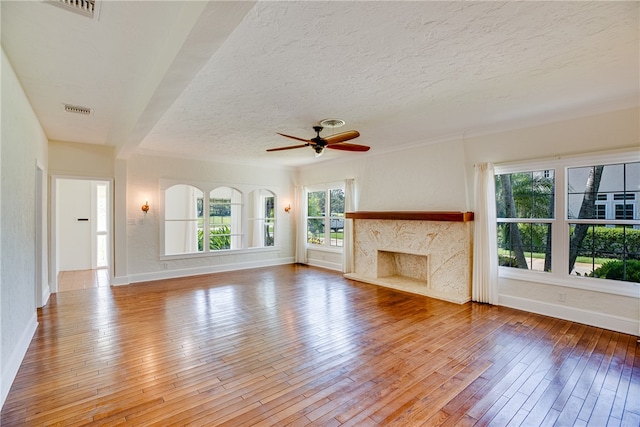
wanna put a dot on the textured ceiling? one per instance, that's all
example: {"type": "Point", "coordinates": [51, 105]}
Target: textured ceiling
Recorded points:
{"type": "Point", "coordinates": [217, 80]}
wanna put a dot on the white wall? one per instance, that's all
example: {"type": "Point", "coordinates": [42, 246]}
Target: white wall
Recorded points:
{"type": "Point", "coordinates": [84, 160]}
{"type": "Point", "coordinates": [146, 175]}
{"type": "Point", "coordinates": [23, 145]}
{"type": "Point", "coordinates": [427, 178]}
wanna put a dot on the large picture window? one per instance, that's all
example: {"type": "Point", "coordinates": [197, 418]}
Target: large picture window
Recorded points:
{"type": "Point", "coordinates": [596, 232]}
{"type": "Point", "coordinates": [325, 217]}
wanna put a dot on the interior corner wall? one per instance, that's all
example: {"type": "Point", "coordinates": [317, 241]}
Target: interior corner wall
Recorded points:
{"type": "Point", "coordinates": [144, 175]}
{"type": "Point", "coordinates": [597, 133]}
{"type": "Point", "coordinates": [23, 146]}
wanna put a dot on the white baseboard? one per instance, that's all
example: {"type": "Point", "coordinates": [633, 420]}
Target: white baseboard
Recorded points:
{"type": "Point", "coordinates": [119, 281]}
{"type": "Point", "coordinates": [10, 370]}
{"type": "Point", "coordinates": [46, 293]}
{"type": "Point", "coordinates": [599, 320]}
{"type": "Point", "coordinates": [325, 264]}
{"type": "Point", "coordinates": [186, 272]}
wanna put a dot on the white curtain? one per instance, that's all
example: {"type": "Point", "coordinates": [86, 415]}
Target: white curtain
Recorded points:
{"type": "Point", "coordinates": [349, 206]}
{"type": "Point", "coordinates": [300, 207]}
{"type": "Point", "coordinates": [485, 245]}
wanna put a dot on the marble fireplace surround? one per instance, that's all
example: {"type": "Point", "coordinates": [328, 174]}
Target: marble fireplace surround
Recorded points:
{"type": "Point", "coordinates": [428, 253]}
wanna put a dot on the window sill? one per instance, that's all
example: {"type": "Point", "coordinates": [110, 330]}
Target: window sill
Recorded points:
{"type": "Point", "coordinates": [614, 287]}
{"type": "Point", "coordinates": [219, 253]}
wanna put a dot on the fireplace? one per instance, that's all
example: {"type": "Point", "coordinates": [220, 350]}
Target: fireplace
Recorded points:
{"type": "Point", "coordinates": [415, 252]}
{"type": "Point", "coordinates": [402, 266]}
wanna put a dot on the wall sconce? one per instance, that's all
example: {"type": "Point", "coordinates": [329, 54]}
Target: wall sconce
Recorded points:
{"type": "Point", "coordinates": [145, 207]}
{"type": "Point", "coordinates": [287, 208]}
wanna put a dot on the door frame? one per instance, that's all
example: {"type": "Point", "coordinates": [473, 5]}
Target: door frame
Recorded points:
{"type": "Point", "coordinates": [42, 292]}
{"type": "Point", "coordinates": [53, 261]}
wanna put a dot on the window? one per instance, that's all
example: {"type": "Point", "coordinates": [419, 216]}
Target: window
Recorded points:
{"type": "Point", "coordinates": [101, 230]}
{"type": "Point", "coordinates": [263, 220]}
{"type": "Point", "coordinates": [225, 219]}
{"type": "Point", "coordinates": [597, 233]}
{"type": "Point", "coordinates": [604, 234]}
{"type": "Point", "coordinates": [601, 212]}
{"type": "Point", "coordinates": [195, 227]}
{"type": "Point", "coordinates": [525, 209]}
{"type": "Point", "coordinates": [624, 211]}
{"type": "Point", "coordinates": [325, 217]}
{"type": "Point", "coordinates": [184, 220]}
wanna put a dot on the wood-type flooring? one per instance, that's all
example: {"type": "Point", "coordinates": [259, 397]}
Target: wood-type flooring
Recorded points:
{"type": "Point", "coordinates": [296, 345]}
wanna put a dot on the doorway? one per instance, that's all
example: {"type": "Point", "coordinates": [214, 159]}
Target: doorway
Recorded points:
{"type": "Point", "coordinates": [82, 233]}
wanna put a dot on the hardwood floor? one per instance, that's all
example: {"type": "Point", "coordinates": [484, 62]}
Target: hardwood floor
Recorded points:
{"type": "Point", "coordinates": [295, 345]}
{"type": "Point", "coordinates": [82, 279]}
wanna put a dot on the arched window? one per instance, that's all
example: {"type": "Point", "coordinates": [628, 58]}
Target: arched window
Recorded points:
{"type": "Point", "coordinates": [184, 222]}
{"type": "Point", "coordinates": [199, 220]}
{"type": "Point", "coordinates": [225, 219]}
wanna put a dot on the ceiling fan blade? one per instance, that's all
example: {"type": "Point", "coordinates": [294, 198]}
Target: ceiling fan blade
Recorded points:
{"type": "Point", "coordinates": [349, 147]}
{"type": "Point", "coordinates": [288, 148]}
{"type": "Point", "coordinates": [294, 137]}
{"type": "Point", "coordinates": [341, 137]}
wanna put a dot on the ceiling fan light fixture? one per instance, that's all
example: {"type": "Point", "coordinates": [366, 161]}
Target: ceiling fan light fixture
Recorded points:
{"type": "Point", "coordinates": [332, 123]}
{"type": "Point", "coordinates": [318, 144]}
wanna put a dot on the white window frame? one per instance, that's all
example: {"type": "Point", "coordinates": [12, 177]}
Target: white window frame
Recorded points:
{"type": "Point", "coordinates": [539, 221]}
{"type": "Point", "coordinates": [260, 219]}
{"type": "Point", "coordinates": [237, 227]}
{"type": "Point", "coordinates": [327, 226]}
{"type": "Point", "coordinates": [560, 224]}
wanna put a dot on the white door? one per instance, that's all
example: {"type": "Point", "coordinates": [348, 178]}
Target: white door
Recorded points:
{"type": "Point", "coordinates": [74, 224]}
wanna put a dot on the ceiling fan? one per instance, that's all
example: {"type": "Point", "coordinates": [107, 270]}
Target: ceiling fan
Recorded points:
{"type": "Point", "coordinates": [318, 143]}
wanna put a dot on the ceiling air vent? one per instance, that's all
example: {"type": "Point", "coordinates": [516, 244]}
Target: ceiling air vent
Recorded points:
{"type": "Point", "coordinates": [77, 109]}
{"type": "Point", "coordinates": [83, 7]}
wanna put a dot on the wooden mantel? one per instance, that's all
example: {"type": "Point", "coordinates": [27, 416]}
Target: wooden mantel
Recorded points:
{"type": "Point", "coordinates": [413, 215]}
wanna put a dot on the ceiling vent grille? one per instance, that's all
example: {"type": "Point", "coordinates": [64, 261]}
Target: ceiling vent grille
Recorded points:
{"type": "Point", "coordinates": [77, 109]}
{"type": "Point", "coordinates": [83, 7]}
